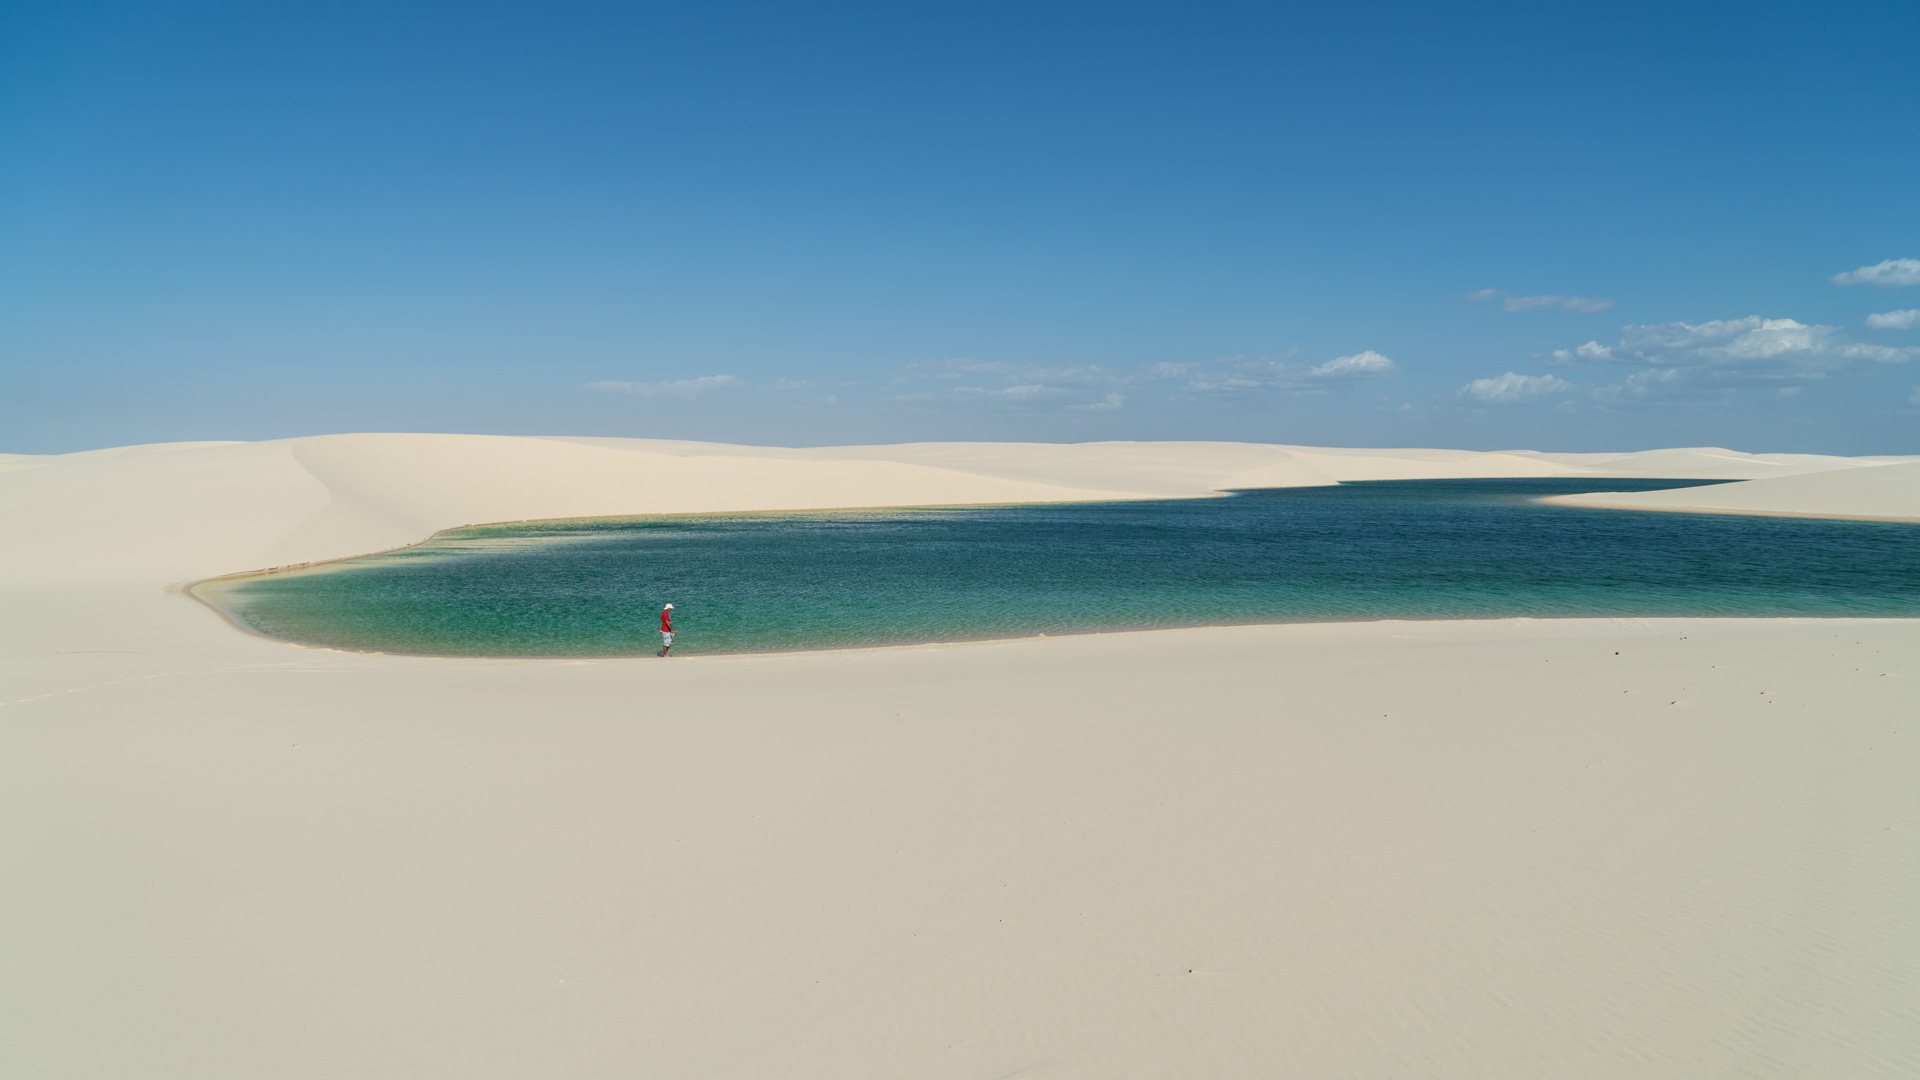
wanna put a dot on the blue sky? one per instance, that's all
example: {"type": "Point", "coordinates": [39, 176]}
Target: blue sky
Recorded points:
{"type": "Point", "coordinates": [1575, 227]}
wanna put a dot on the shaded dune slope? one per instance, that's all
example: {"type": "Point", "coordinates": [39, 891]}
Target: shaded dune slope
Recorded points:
{"type": "Point", "coordinates": [175, 512]}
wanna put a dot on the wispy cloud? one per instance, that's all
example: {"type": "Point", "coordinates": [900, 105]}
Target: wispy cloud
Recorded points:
{"type": "Point", "coordinates": [800, 393]}
{"type": "Point", "coordinates": [1085, 387]}
{"type": "Point", "coordinates": [1574, 305]}
{"type": "Point", "coordinates": [1883, 274]}
{"type": "Point", "coordinates": [1361, 365]}
{"type": "Point", "coordinates": [1697, 362]}
{"type": "Point", "coordinates": [1661, 387]}
{"type": "Point", "coordinates": [677, 388]}
{"type": "Point", "coordinates": [1243, 374]}
{"type": "Point", "coordinates": [1591, 353]}
{"type": "Point", "coordinates": [1097, 388]}
{"type": "Point", "coordinates": [1894, 320]}
{"type": "Point", "coordinates": [1513, 388]}
{"type": "Point", "coordinates": [1240, 374]}
{"type": "Point", "coordinates": [1752, 347]}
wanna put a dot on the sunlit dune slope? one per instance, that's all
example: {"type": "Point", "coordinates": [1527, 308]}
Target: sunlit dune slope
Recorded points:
{"type": "Point", "coordinates": [179, 511]}
{"type": "Point", "coordinates": [1886, 492]}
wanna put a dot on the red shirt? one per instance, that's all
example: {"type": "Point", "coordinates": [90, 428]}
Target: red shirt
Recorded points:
{"type": "Point", "coordinates": [666, 621]}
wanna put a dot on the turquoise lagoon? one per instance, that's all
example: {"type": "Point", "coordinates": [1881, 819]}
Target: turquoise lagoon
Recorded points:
{"type": "Point", "coordinates": [1436, 549]}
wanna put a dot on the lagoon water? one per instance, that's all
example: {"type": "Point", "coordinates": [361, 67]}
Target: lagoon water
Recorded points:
{"type": "Point", "coordinates": [753, 582]}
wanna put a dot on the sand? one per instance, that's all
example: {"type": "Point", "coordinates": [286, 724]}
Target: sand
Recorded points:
{"type": "Point", "coordinates": [1887, 493]}
{"type": "Point", "coordinates": [1470, 849]}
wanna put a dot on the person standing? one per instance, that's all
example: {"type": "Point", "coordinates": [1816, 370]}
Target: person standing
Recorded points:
{"type": "Point", "coordinates": [666, 629]}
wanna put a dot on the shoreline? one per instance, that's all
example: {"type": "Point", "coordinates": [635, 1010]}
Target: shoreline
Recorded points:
{"type": "Point", "coordinates": [1587, 502]}
{"type": "Point", "coordinates": [192, 589]}
{"type": "Point", "coordinates": [575, 658]}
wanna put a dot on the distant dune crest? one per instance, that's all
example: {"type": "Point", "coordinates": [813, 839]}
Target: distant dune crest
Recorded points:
{"type": "Point", "coordinates": [180, 511]}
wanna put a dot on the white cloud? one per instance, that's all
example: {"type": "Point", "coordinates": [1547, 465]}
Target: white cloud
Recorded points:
{"type": "Point", "coordinates": [1915, 399]}
{"type": "Point", "coordinates": [1894, 320]}
{"type": "Point", "coordinates": [1749, 348]}
{"type": "Point", "coordinates": [1882, 274]}
{"type": "Point", "coordinates": [1575, 305]}
{"type": "Point", "coordinates": [1513, 388]}
{"type": "Point", "coordinates": [1698, 362]}
{"type": "Point", "coordinates": [680, 388]}
{"type": "Point", "coordinates": [1243, 374]}
{"type": "Point", "coordinates": [1591, 353]}
{"type": "Point", "coordinates": [1361, 365]}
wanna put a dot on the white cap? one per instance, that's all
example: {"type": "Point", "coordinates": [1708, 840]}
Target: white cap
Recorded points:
{"type": "Point", "coordinates": [669, 607]}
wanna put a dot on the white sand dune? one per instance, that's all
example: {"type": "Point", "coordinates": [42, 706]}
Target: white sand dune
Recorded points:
{"type": "Point", "coordinates": [1661, 848]}
{"type": "Point", "coordinates": [197, 511]}
{"type": "Point", "coordinates": [1886, 493]}
{"type": "Point", "coordinates": [1716, 463]}
{"type": "Point", "coordinates": [182, 511]}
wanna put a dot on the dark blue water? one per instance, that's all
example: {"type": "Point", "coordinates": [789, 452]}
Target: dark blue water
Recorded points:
{"type": "Point", "coordinates": [1425, 549]}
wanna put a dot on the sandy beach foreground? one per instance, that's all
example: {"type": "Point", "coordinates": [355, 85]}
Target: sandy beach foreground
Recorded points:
{"type": "Point", "coordinates": [1661, 848]}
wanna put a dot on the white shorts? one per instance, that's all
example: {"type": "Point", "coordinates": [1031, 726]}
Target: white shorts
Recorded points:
{"type": "Point", "coordinates": [666, 638]}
